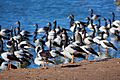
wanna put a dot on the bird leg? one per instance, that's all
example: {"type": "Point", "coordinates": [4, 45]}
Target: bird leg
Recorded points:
{"type": "Point", "coordinates": [46, 66]}
{"type": "Point", "coordinates": [64, 58]}
{"type": "Point", "coordinates": [107, 52]}
{"type": "Point", "coordinates": [99, 50]}
{"type": "Point", "coordinates": [18, 65]}
{"type": "Point", "coordinates": [86, 56]}
{"type": "Point", "coordinates": [72, 61]}
{"type": "Point", "coordinates": [43, 65]}
{"type": "Point", "coordinates": [9, 66]}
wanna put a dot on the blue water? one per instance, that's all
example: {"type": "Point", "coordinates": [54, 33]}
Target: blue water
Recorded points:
{"type": "Point", "coordinates": [30, 12]}
{"type": "Point", "coordinates": [43, 11]}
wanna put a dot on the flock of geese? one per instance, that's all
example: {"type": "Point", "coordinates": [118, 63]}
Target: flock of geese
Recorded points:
{"type": "Point", "coordinates": [55, 42]}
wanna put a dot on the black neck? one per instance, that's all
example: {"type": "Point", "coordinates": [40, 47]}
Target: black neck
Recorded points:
{"type": "Point", "coordinates": [110, 23]}
{"type": "Point", "coordinates": [91, 22]}
{"type": "Point", "coordinates": [71, 20]}
{"type": "Point", "coordinates": [18, 27]}
{"type": "Point", "coordinates": [113, 14]}
{"type": "Point", "coordinates": [74, 32]}
{"type": "Point", "coordinates": [99, 23]}
{"type": "Point", "coordinates": [50, 47]}
{"type": "Point", "coordinates": [36, 27]}
{"type": "Point", "coordinates": [15, 32]}
{"type": "Point", "coordinates": [102, 36]}
{"type": "Point", "coordinates": [0, 27]}
{"type": "Point", "coordinates": [1, 47]}
{"type": "Point", "coordinates": [91, 13]}
{"type": "Point", "coordinates": [55, 23]}
{"type": "Point", "coordinates": [11, 33]}
{"type": "Point", "coordinates": [81, 40]}
{"type": "Point", "coordinates": [105, 22]}
{"type": "Point", "coordinates": [94, 31]}
{"type": "Point", "coordinates": [84, 31]}
{"type": "Point", "coordinates": [35, 32]}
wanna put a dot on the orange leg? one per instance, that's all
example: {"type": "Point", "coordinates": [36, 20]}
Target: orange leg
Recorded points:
{"type": "Point", "coordinates": [64, 57]}
{"type": "Point", "coordinates": [72, 61]}
{"type": "Point", "coordinates": [99, 50]}
{"type": "Point", "coordinates": [43, 65]}
{"type": "Point", "coordinates": [86, 56]}
{"type": "Point", "coordinates": [107, 52]}
{"type": "Point", "coordinates": [8, 66]}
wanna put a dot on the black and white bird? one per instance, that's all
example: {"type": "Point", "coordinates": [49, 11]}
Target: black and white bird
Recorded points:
{"type": "Point", "coordinates": [4, 32]}
{"type": "Point", "coordinates": [87, 39]}
{"type": "Point", "coordinates": [42, 56]}
{"type": "Point", "coordinates": [25, 45]}
{"type": "Point", "coordinates": [104, 43]}
{"type": "Point", "coordinates": [4, 65]}
{"type": "Point", "coordinates": [9, 57]}
{"type": "Point", "coordinates": [93, 15]}
{"type": "Point", "coordinates": [107, 44]}
{"type": "Point", "coordinates": [72, 51]}
{"type": "Point", "coordinates": [25, 33]}
{"type": "Point", "coordinates": [42, 29]}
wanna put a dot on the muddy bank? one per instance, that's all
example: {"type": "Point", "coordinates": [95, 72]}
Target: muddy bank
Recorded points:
{"type": "Point", "coordinates": [108, 69]}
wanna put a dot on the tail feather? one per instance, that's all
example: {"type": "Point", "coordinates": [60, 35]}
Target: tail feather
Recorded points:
{"type": "Point", "coordinates": [111, 45]}
{"type": "Point", "coordinates": [79, 55]}
{"type": "Point", "coordinates": [51, 61]}
{"type": "Point", "coordinates": [92, 51]}
{"type": "Point", "coordinates": [115, 48]}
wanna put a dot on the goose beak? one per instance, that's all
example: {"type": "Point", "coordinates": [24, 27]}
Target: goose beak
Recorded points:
{"type": "Point", "coordinates": [16, 28]}
{"type": "Point", "coordinates": [68, 17]}
{"type": "Point", "coordinates": [108, 20]}
{"type": "Point", "coordinates": [89, 9]}
{"type": "Point", "coordinates": [16, 22]}
{"type": "Point", "coordinates": [33, 33]}
{"type": "Point", "coordinates": [103, 18]}
{"type": "Point", "coordinates": [87, 18]}
{"type": "Point", "coordinates": [34, 24]}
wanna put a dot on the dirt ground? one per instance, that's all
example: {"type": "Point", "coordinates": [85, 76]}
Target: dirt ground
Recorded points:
{"type": "Point", "coordinates": [108, 69]}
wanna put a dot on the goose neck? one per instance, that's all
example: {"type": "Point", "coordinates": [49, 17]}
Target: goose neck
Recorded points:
{"type": "Point", "coordinates": [113, 18]}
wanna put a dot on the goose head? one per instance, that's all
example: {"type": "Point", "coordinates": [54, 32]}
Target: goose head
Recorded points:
{"type": "Point", "coordinates": [49, 26]}
{"type": "Point", "coordinates": [18, 28]}
{"type": "Point", "coordinates": [36, 25]}
{"type": "Point", "coordinates": [71, 17]}
{"type": "Point", "coordinates": [99, 23]}
{"type": "Point", "coordinates": [18, 22]}
{"type": "Point", "coordinates": [109, 25]}
{"type": "Point", "coordinates": [91, 12]}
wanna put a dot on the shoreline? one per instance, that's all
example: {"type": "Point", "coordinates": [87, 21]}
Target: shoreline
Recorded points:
{"type": "Point", "coordinates": [108, 69]}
